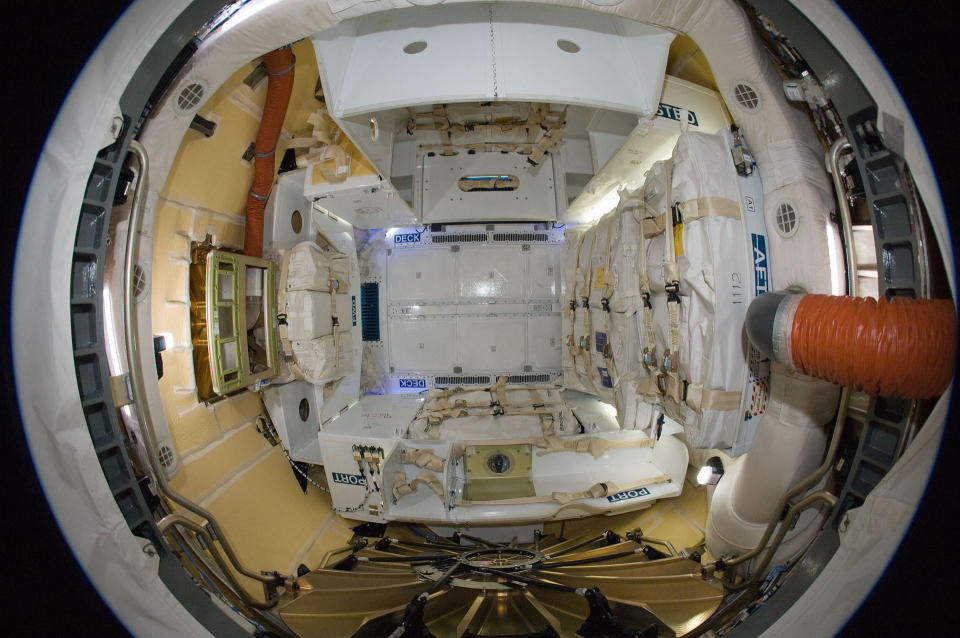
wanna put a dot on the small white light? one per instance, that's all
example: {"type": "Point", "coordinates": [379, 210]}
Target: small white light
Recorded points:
{"type": "Point", "coordinates": [711, 472]}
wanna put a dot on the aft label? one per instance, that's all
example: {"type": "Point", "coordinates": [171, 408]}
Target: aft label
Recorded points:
{"type": "Point", "coordinates": [761, 277]}
{"type": "Point", "coordinates": [348, 479]}
{"type": "Point", "coordinates": [672, 112]}
{"type": "Point", "coordinates": [626, 495]}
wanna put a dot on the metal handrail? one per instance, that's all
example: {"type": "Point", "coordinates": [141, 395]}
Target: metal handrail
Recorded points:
{"type": "Point", "coordinates": [135, 372]}
{"type": "Point", "coordinates": [799, 488]}
{"type": "Point", "coordinates": [178, 520]}
{"type": "Point", "coordinates": [843, 210]}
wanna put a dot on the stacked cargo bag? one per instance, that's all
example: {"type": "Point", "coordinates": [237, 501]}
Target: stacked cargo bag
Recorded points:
{"type": "Point", "coordinates": [697, 262]}
{"type": "Point", "coordinates": [573, 236]}
{"type": "Point", "coordinates": [580, 346]}
{"type": "Point", "coordinates": [313, 291]}
{"type": "Point", "coordinates": [600, 292]}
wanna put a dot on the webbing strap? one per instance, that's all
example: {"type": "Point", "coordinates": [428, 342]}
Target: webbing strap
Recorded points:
{"type": "Point", "coordinates": [401, 487]}
{"type": "Point", "coordinates": [700, 399]}
{"type": "Point", "coordinates": [694, 209]}
{"type": "Point", "coordinates": [422, 458]}
{"type": "Point", "coordinates": [598, 490]}
{"type": "Point", "coordinates": [594, 446]}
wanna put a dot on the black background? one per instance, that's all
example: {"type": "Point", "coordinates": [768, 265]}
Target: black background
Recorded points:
{"type": "Point", "coordinates": [46, 593]}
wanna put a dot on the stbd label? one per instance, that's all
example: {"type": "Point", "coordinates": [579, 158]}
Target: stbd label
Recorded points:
{"type": "Point", "coordinates": [626, 495]}
{"type": "Point", "coordinates": [348, 479]}
{"type": "Point", "coordinates": [672, 112]}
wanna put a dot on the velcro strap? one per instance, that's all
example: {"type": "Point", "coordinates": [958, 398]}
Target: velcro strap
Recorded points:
{"type": "Point", "coordinates": [700, 399]}
{"type": "Point", "coordinates": [694, 209]}
{"type": "Point", "coordinates": [422, 458]}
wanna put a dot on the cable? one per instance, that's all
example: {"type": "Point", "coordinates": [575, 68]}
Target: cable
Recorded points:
{"type": "Point", "coordinates": [293, 464]}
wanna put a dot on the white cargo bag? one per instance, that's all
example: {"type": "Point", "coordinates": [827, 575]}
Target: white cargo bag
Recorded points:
{"type": "Point", "coordinates": [324, 359]}
{"type": "Point", "coordinates": [573, 236]}
{"type": "Point", "coordinates": [704, 383]}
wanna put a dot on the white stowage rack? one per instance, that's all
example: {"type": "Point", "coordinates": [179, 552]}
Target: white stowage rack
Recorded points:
{"type": "Point", "coordinates": [376, 472]}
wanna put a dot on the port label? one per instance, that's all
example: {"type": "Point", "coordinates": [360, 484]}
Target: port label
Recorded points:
{"type": "Point", "coordinates": [628, 494]}
{"type": "Point", "coordinates": [348, 479]}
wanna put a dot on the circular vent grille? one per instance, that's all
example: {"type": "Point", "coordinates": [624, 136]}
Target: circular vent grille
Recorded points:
{"type": "Point", "coordinates": [746, 96]}
{"type": "Point", "coordinates": [165, 456]}
{"type": "Point", "coordinates": [190, 97]}
{"type": "Point", "coordinates": [787, 219]}
{"type": "Point", "coordinates": [139, 282]}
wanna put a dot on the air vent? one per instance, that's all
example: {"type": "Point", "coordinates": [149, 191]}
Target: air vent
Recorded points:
{"type": "Point", "coordinates": [139, 282]}
{"type": "Point", "coordinates": [460, 238]}
{"type": "Point", "coordinates": [746, 96]}
{"type": "Point", "coordinates": [461, 380]}
{"type": "Point", "coordinates": [787, 220]}
{"type": "Point", "coordinates": [520, 237]}
{"type": "Point", "coordinates": [529, 378]}
{"type": "Point", "coordinates": [165, 456]}
{"type": "Point", "coordinates": [190, 97]}
{"type": "Point", "coordinates": [370, 311]}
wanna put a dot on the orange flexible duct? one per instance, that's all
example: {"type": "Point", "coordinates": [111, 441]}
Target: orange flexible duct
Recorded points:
{"type": "Point", "coordinates": [279, 65]}
{"type": "Point", "coordinates": [899, 348]}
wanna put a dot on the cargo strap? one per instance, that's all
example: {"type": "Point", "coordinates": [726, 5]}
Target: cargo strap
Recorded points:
{"type": "Point", "coordinates": [583, 344]}
{"type": "Point", "coordinates": [402, 487]}
{"type": "Point", "coordinates": [442, 125]}
{"type": "Point", "coordinates": [552, 136]}
{"type": "Point", "coordinates": [598, 490]}
{"type": "Point", "coordinates": [422, 458]}
{"type": "Point", "coordinates": [690, 211]}
{"type": "Point", "coordinates": [602, 280]}
{"type": "Point", "coordinates": [671, 277]}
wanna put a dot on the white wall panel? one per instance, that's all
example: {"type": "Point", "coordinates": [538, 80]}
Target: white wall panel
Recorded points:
{"type": "Point", "coordinates": [422, 275]}
{"type": "Point", "coordinates": [423, 344]}
{"type": "Point", "coordinates": [491, 343]}
{"type": "Point", "coordinates": [490, 272]}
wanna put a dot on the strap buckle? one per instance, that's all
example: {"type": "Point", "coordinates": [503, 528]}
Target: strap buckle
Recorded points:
{"type": "Point", "coordinates": [676, 216]}
{"type": "Point", "coordinates": [650, 358]}
{"type": "Point", "coordinates": [585, 342]}
{"type": "Point", "coordinates": [573, 304]}
{"type": "Point", "coordinates": [335, 322]}
{"type": "Point", "coordinates": [282, 319]}
{"type": "Point", "coordinates": [673, 292]}
{"type": "Point", "coordinates": [645, 296]}
{"type": "Point", "coordinates": [605, 304]}
{"type": "Point", "coordinates": [662, 383]}
{"type": "Point", "coordinates": [585, 303]}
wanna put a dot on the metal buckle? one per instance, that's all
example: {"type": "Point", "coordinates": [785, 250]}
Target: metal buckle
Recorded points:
{"type": "Point", "coordinates": [650, 358]}
{"type": "Point", "coordinates": [585, 342]}
{"type": "Point", "coordinates": [676, 215]}
{"type": "Point", "coordinates": [570, 341]}
{"type": "Point", "coordinates": [673, 292]}
{"type": "Point", "coordinates": [585, 302]}
{"type": "Point", "coordinates": [662, 383]}
{"type": "Point", "coordinates": [646, 300]}
{"type": "Point", "coordinates": [573, 304]}
{"type": "Point", "coordinates": [605, 304]}
{"type": "Point", "coordinates": [607, 351]}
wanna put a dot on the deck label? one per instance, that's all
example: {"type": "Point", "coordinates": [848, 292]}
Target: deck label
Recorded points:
{"type": "Point", "coordinates": [406, 238]}
{"type": "Point", "coordinates": [413, 383]}
{"type": "Point", "coordinates": [628, 494]}
{"type": "Point", "coordinates": [348, 479]}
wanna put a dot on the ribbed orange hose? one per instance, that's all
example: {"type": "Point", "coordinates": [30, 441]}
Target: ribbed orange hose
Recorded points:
{"type": "Point", "coordinates": [900, 348]}
{"type": "Point", "coordinates": [279, 65]}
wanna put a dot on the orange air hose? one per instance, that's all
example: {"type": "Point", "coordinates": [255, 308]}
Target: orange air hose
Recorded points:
{"type": "Point", "coordinates": [279, 65]}
{"type": "Point", "coordinates": [899, 348]}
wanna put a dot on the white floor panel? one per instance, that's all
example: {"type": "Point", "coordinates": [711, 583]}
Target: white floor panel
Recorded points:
{"type": "Point", "coordinates": [469, 303]}
{"type": "Point", "coordinates": [425, 275]}
{"type": "Point", "coordinates": [423, 345]}
{"type": "Point", "coordinates": [544, 341]}
{"type": "Point", "coordinates": [488, 272]}
{"type": "Point", "coordinates": [491, 343]}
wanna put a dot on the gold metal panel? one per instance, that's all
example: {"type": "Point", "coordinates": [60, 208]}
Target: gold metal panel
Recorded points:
{"type": "Point", "coordinates": [498, 472]}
